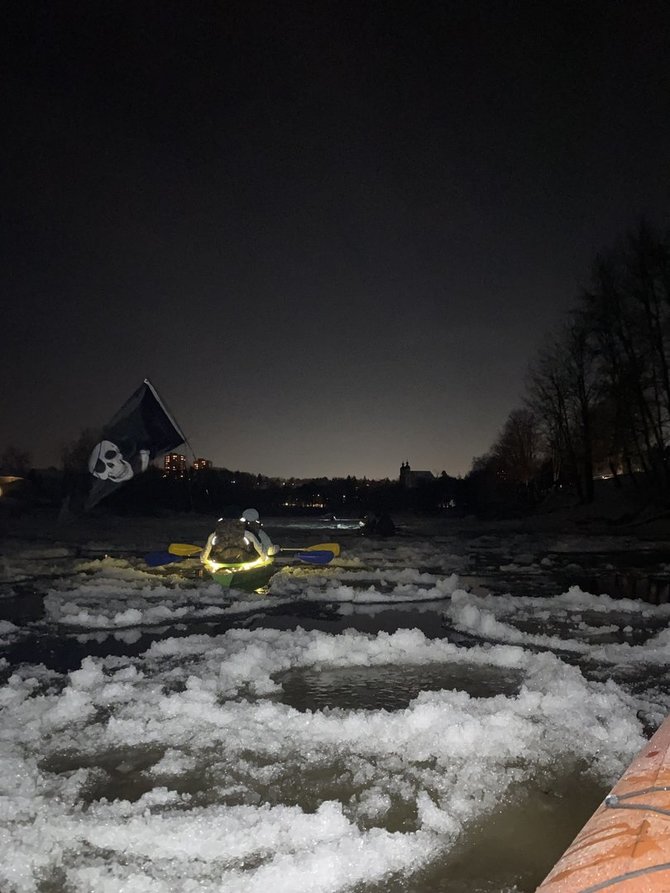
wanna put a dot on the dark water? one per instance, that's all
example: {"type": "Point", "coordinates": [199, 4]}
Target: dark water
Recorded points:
{"type": "Point", "coordinates": [511, 850]}
{"type": "Point", "coordinates": [389, 687]}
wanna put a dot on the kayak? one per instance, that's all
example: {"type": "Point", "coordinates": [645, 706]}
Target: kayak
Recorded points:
{"type": "Point", "coordinates": [248, 576]}
{"type": "Point", "coordinates": [625, 845]}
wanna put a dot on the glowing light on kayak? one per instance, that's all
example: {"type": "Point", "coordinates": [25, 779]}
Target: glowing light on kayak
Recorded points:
{"type": "Point", "coordinates": [215, 566]}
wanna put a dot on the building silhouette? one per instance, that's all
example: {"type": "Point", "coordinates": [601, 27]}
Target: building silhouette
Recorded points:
{"type": "Point", "coordinates": [410, 479]}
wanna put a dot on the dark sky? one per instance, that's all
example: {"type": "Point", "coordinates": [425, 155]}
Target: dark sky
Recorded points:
{"type": "Point", "coordinates": [333, 235]}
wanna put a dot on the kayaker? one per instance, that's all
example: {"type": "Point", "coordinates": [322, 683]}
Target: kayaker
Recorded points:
{"type": "Point", "coordinates": [228, 544]}
{"type": "Point", "coordinates": [255, 536]}
{"type": "Point", "coordinates": [378, 525]}
{"type": "Point", "coordinates": [369, 524]}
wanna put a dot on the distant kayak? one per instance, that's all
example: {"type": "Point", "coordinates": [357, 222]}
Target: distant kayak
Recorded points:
{"type": "Point", "coordinates": [625, 845]}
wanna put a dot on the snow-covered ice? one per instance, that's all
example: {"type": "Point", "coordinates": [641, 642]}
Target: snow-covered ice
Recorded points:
{"type": "Point", "coordinates": [354, 727]}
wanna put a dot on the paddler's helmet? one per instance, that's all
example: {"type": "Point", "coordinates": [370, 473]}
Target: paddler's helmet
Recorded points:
{"type": "Point", "coordinates": [251, 516]}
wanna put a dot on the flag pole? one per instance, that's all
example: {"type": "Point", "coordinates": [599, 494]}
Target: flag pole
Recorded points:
{"type": "Point", "coordinates": [170, 415]}
{"type": "Point", "coordinates": [185, 439]}
{"type": "Point", "coordinates": [166, 410]}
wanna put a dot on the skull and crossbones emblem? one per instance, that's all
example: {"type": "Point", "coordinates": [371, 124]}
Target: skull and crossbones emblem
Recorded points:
{"type": "Point", "coordinates": [107, 463]}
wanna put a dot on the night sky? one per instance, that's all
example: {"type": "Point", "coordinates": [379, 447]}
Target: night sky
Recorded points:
{"type": "Point", "coordinates": [333, 235]}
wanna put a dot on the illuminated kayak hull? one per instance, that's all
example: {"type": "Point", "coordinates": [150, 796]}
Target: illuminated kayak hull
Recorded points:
{"type": "Point", "coordinates": [625, 845]}
{"type": "Point", "coordinates": [248, 577]}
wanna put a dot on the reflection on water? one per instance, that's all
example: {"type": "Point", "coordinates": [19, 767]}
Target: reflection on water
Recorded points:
{"type": "Point", "coordinates": [512, 850]}
{"type": "Point", "coordinates": [390, 687]}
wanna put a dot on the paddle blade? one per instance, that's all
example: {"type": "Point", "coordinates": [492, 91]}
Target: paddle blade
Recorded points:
{"type": "Point", "coordinates": [156, 559]}
{"type": "Point", "coordinates": [325, 547]}
{"type": "Point", "coordinates": [323, 556]}
{"type": "Point", "coordinates": [185, 549]}
{"type": "Point", "coordinates": [319, 547]}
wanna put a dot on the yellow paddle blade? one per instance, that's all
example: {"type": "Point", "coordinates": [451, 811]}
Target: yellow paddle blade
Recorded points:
{"type": "Point", "coordinates": [185, 549]}
{"type": "Point", "coordinates": [324, 547]}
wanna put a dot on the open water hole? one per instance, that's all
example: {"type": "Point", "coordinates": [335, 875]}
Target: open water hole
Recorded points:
{"type": "Point", "coordinates": [389, 687]}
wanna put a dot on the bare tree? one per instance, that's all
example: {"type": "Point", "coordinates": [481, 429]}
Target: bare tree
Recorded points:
{"type": "Point", "coordinates": [599, 390]}
{"type": "Point", "coordinates": [547, 397]}
{"type": "Point", "coordinates": [517, 448]}
{"type": "Point", "coordinates": [562, 388]}
{"type": "Point", "coordinates": [628, 311]}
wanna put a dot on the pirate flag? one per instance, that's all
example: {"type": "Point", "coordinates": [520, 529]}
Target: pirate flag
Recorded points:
{"type": "Point", "coordinates": [140, 431]}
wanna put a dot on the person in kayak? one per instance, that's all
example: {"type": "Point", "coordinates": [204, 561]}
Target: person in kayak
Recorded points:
{"type": "Point", "coordinates": [226, 544]}
{"type": "Point", "coordinates": [238, 540]}
{"type": "Point", "coordinates": [255, 536]}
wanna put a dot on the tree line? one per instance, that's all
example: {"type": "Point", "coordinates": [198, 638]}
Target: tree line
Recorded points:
{"type": "Point", "coordinates": [596, 404]}
{"type": "Point", "coordinates": [597, 395]}
{"type": "Point", "coordinates": [217, 490]}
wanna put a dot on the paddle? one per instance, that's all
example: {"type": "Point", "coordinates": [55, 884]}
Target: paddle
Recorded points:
{"type": "Point", "coordinates": [322, 556]}
{"type": "Point", "coordinates": [188, 550]}
{"type": "Point", "coordinates": [311, 556]}
{"type": "Point", "coordinates": [185, 549]}
{"type": "Point", "coordinates": [319, 547]}
{"type": "Point", "coordinates": [156, 559]}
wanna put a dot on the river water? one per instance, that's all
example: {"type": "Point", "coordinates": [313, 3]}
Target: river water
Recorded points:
{"type": "Point", "coordinates": [438, 711]}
